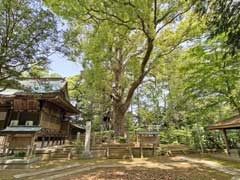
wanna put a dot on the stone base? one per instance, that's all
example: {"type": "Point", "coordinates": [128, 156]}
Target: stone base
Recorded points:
{"type": "Point", "coordinates": [17, 163]}
{"type": "Point", "coordinates": [86, 155]}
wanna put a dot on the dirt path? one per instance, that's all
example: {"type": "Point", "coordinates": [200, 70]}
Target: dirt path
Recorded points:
{"type": "Point", "coordinates": [175, 166]}
{"type": "Point", "coordinates": [213, 165]}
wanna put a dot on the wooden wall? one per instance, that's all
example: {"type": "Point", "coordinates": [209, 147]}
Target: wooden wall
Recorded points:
{"type": "Point", "coordinates": [26, 105]}
{"type": "Point", "coordinates": [4, 110]}
{"type": "Point", "coordinates": [51, 116]}
{"type": "Point", "coordinates": [20, 141]}
{"type": "Point", "coordinates": [65, 126]}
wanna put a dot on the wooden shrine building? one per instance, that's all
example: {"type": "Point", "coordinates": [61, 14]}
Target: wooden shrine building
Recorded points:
{"type": "Point", "coordinates": [35, 114]}
{"type": "Point", "coordinates": [230, 123]}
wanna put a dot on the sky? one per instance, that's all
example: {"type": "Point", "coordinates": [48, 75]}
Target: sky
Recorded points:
{"type": "Point", "coordinates": [59, 64]}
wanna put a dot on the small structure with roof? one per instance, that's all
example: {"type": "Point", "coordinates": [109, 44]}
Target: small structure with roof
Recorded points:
{"type": "Point", "coordinates": [230, 123]}
{"type": "Point", "coordinates": [36, 112]}
{"type": "Point", "coordinates": [148, 139]}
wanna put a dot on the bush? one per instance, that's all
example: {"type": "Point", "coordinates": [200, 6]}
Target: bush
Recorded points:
{"type": "Point", "coordinates": [79, 146]}
{"type": "Point", "coordinates": [20, 154]}
{"type": "Point", "coordinates": [121, 139]}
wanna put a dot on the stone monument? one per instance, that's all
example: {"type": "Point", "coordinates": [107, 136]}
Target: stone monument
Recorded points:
{"type": "Point", "coordinates": [87, 153]}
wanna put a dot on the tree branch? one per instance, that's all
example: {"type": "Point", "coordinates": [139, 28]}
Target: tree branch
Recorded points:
{"type": "Point", "coordinates": [172, 19]}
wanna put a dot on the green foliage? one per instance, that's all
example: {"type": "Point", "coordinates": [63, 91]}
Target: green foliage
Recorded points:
{"type": "Point", "coordinates": [27, 36]}
{"type": "Point", "coordinates": [39, 71]}
{"type": "Point", "coordinates": [213, 77]}
{"type": "Point", "coordinates": [120, 139]}
{"type": "Point", "coordinates": [96, 126]}
{"type": "Point", "coordinates": [79, 146]}
{"type": "Point", "coordinates": [129, 122]}
{"type": "Point", "coordinates": [173, 67]}
{"type": "Point", "coordinates": [91, 100]}
{"type": "Point", "coordinates": [120, 43]}
{"type": "Point", "coordinates": [173, 135]}
{"type": "Point", "coordinates": [20, 154]}
{"type": "Point", "coordinates": [223, 19]}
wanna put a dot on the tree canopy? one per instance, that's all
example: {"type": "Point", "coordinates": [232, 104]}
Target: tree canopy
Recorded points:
{"type": "Point", "coordinates": [123, 41]}
{"type": "Point", "coordinates": [28, 34]}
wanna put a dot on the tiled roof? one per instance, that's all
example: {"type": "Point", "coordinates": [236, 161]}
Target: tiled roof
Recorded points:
{"type": "Point", "coordinates": [43, 85]}
{"type": "Point", "coordinates": [20, 129]}
{"type": "Point", "coordinates": [47, 89]}
{"type": "Point", "coordinates": [38, 85]}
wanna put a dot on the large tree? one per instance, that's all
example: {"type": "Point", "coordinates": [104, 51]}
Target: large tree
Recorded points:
{"type": "Point", "coordinates": [125, 39]}
{"type": "Point", "coordinates": [27, 36]}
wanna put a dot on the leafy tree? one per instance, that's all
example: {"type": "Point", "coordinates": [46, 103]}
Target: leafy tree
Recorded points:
{"type": "Point", "coordinates": [27, 36]}
{"type": "Point", "coordinates": [39, 72]}
{"type": "Point", "coordinates": [223, 18]}
{"type": "Point", "coordinates": [213, 75]}
{"type": "Point", "coordinates": [126, 39]}
{"type": "Point", "coordinates": [92, 101]}
{"type": "Point", "coordinates": [150, 98]}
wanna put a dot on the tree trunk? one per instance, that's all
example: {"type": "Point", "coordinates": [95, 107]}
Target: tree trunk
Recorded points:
{"type": "Point", "coordinates": [119, 120]}
{"type": "Point", "coordinates": [121, 104]}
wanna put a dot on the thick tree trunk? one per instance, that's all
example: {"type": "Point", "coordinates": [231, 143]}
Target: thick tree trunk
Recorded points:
{"type": "Point", "coordinates": [121, 104]}
{"type": "Point", "coordinates": [119, 120]}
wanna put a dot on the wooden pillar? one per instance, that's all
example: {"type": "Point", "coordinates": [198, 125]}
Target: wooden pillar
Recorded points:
{"type": "Point", "coordinates": [5, 145]}
{"type": "Point", "coordinates": [63, 139]}
{"type": "Point", "coordinates": [53, 139]}
{"type": "Point", "coordinates": [7, 122]}
{"type": "Point", "coordinates": [28, 151]}
{"type": "Point", "coordinates": [32, 146]}
{"type": "Point", "coordinates": [9, 148]}
{"type": "Point", "coordinates": [108, 147]}
{"type": "Point", "coordinates": [107, 151]}
{"type": "Point", "coordinates": [43, 139]}
{"type": "Point", "coordinates": [57, 142]}
{"type": "Point", "coordinates": [153, 152]}
{"type": "Point", "coordinates": [60, 139]}
{"type": "Point", "coordinates": [49, 138]}
{"type": "Point", "coordinates": [141, 146]}
{"type": "Point", "coordinates": [226, 141]}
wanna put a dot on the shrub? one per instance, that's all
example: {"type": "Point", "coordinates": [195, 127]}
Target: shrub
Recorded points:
{"type": "Point", "coordinates": [20, 154]}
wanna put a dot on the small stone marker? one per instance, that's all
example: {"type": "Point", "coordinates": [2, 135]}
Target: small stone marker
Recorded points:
{"type": "Point", "coordinates": [86, 153]}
